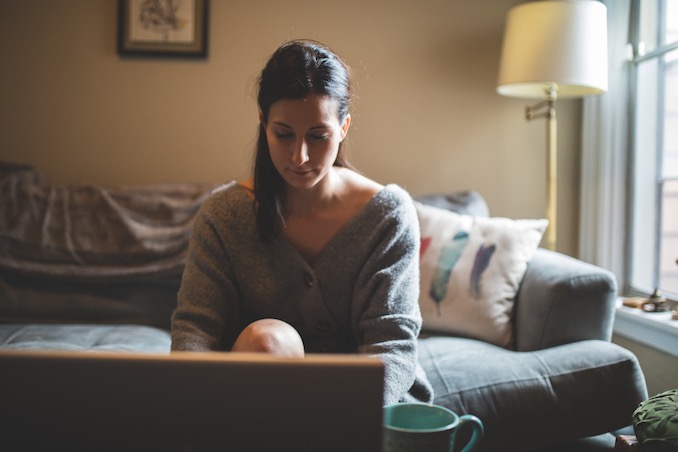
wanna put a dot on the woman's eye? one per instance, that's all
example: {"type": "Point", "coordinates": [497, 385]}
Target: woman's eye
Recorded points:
{"type": "Point", "coordinates": [283, 135]}
{"type": "Point", "coordinates": [320, 137]}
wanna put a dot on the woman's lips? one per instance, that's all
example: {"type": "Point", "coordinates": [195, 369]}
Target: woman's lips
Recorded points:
{"type": "Point", "coordinates": [301, 173]}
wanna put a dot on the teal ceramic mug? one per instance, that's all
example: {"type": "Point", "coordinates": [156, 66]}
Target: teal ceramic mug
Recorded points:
{"type": "Point", "coordinates": [410, 427]}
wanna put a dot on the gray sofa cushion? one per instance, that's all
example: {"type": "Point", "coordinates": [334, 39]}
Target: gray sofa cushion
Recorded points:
{"type": "Point", "coordinates": [532, 399]}
{"type": "Point", "coordinates": [119, 338]}
{"type": "Point", "coordinates": [47, 300]}
{"type": "Point", "coordinates": [467, 202]}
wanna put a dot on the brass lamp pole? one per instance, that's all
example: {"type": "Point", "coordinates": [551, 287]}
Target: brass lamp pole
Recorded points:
{"type": "Point", "coordinates": [553, 49]}
{"type": "Point", "coordinates": [547, 109]}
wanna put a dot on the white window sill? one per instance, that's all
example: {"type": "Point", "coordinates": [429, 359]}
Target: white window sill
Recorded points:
{"type": "Point", "coordinates": [654, 329]}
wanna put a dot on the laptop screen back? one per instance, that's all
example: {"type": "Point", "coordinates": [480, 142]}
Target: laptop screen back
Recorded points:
{"type": "Point", "coordinates": [190, 401]}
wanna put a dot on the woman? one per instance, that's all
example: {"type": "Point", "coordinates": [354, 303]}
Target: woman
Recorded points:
{"type": "Point", "coordinates": [309, 255]}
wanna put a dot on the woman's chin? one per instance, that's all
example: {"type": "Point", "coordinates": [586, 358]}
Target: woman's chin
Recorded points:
{"type": "Point", "coordinates": [301, 179]}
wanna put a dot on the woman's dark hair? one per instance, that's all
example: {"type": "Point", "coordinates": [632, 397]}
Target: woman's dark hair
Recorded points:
{"type": "Point", "coordinates": [295, 70]}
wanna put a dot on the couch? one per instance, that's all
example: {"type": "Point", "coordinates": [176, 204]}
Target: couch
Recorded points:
{"type": "Point", "coordinates": [95, 268]}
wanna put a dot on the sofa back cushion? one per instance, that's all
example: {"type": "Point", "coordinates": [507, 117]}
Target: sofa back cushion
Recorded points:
{"type": "Point", "coordinates": [467, 202]}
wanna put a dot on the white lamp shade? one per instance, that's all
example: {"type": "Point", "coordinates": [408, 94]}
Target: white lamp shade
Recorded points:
{"type": "Point", "coordinates": [561, 43]}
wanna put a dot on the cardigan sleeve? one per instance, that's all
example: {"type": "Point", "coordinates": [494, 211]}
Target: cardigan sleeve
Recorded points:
{"type": "Point", "coordinates": [207, 297]}
{"type": "Point", "coordinates": [387, 321]}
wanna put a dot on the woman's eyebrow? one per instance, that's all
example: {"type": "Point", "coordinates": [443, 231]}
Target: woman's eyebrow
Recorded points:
{"type": "Point", "coordinates": [282, 124]}
{"type": "Point", "coordinates": [287, 126]}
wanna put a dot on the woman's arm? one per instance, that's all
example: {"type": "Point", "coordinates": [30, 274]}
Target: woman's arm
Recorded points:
{"type": "Point", "coordinates": [387, 320]}
{"type": "Point", "coordinates": [207, 296]}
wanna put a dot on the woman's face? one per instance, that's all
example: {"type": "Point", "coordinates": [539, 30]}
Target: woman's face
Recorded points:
{"type": "Point", "coordinates": [303, 137]}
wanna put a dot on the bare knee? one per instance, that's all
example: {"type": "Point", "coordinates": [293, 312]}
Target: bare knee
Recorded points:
{"type": "Point", "coordinates": [270, 336]}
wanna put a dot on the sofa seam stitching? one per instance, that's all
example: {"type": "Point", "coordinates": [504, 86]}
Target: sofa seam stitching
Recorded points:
{"type": "Point", "coordinates": [16, 333]}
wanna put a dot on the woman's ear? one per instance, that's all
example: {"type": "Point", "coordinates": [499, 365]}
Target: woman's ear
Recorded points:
{"type": "Point", "coordinates": [261, 119]}
{"type": "Point", "coordinates": [345, 126]}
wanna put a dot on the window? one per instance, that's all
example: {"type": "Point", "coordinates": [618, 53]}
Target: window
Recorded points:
{"type": "Point", "coordinates": [654, 169]}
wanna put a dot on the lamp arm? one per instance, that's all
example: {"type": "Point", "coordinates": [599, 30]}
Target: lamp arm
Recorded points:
{"type": "Point", "coordinates": [547, 109]}
{"type": "Point", "coordinates": [540, 110]}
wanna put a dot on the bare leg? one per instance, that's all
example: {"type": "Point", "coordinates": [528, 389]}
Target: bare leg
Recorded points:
{"type": "Point", "coordinates": [270, 336]}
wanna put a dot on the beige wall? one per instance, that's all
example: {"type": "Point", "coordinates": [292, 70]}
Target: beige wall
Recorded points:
{"type": "Point", "coordinates": [660, 369]}
{"type": "Point", "coordinates": [427, 115]}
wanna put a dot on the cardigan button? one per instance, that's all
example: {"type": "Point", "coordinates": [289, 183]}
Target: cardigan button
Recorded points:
{"type": "Point", "coordinates": [308, 279]}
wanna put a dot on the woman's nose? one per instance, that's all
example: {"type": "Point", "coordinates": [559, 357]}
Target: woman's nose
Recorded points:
{"type": "Point", "coordinates": [300, 154]}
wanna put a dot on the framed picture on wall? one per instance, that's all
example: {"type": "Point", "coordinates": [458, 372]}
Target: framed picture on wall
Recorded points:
{"type": "Point", "coordinates": [169, 28]}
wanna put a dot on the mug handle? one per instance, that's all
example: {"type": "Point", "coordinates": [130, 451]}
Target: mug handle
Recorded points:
{"type": "Point", "coordinates": [476, 426]}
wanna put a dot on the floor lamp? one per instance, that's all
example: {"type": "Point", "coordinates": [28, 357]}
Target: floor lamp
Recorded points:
{"type": "Point", "coordinates": [553, 49]}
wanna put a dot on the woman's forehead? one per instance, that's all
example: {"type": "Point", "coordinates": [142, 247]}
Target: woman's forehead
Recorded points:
{"type": "Point", "coordinates": [312, 109]}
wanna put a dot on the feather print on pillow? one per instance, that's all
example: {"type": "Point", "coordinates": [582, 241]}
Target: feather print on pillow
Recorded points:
{"type": "Point", "coordinates": [449, 255]}
{"type": "Point", "coordinates": [480, 264]}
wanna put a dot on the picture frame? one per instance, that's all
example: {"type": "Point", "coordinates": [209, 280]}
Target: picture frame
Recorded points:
{"type": "Point", "coordinates": [163, 28]}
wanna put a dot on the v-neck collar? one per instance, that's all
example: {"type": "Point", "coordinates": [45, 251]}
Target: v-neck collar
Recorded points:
{"type": "Point", "coordinates": [338, 238]}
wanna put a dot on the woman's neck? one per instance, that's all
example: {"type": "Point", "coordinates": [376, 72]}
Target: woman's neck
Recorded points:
{"type": "Point", "coordinates": [304, 202]}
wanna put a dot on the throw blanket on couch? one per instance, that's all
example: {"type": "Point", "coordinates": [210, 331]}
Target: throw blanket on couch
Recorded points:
{"type": "Point", "coordinates": [94, 231]}
{"type": "Point", "coordinates": [56, 235]}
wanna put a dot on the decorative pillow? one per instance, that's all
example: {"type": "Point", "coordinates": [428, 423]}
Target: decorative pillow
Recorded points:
{"type": "Point", "coordinates": [655, 422]}
{"type": "Point", "coordinates": [471, 268]}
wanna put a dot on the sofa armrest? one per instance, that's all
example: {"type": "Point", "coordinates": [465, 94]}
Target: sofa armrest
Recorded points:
{"type": "Point", "coordinates": [562, 299]}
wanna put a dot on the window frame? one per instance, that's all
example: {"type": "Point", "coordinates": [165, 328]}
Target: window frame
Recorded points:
{"type": "Point", "coordinates": [634, 285]}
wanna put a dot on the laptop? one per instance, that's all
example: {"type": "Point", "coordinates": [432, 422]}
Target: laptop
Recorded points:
{"type": "Point", "coordinates": [184, 401]}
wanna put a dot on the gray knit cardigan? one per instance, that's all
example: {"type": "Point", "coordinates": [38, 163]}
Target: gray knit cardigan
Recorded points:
{"type": "Point", "coordinates": [359, 296]}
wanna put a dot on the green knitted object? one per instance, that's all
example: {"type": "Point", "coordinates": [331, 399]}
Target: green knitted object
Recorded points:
{"type": "Point", "coordinates": [656, 422]}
